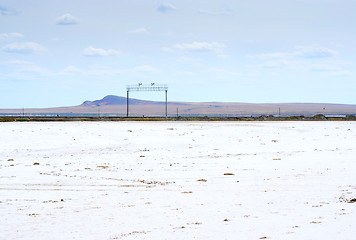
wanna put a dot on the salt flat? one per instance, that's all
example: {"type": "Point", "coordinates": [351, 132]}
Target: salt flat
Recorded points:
{"type": "Point", "coordinates": [178, 180]}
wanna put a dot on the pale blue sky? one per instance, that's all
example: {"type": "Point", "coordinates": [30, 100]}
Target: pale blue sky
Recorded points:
{"type": "Point", "coordinates": [61, 53]}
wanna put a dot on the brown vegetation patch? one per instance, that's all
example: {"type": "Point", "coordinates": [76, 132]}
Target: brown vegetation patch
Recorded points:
{"type": "Point", "coordinates": [202, 180]}
{"type": "Point", "coordinates": [103, 167]}
{"type": "Point", "coordinates": [229, 174]}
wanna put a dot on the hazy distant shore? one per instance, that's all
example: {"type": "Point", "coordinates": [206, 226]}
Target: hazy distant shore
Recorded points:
{"type": "Point", "coordinates": [116, 106]}
{"type": "Point", "coordinates": [59, 118]}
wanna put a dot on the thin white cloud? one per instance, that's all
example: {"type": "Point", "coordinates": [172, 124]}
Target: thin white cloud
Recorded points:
{"type": "Point", "coordinates": [225, 11]}
{"type": "Point", "coordinates": [143, 68]}
{"type": "Point", "coordinates": [307, 52]}
{"type": "Point", "coordinates": [165, 7]}
{"type": "Point", "coordinates": [10, 36]}
{"type": "Point", "coordinates": [23, 48]}
{"type": "Point", "coordinates": [340, 73]}
{"type": "Point", "coordinates": [315, 52]}
{"type": "Point", "coordinates": [214, 47]}
{"type": "Point", "coordinates": [220, 71]}
{"type": "Point", "coordinates": [16, 63]}
{"type": "Point", "coordinates": [277, 63]}
{"type": "Point", "coordinates": [139, 70]}
{"type": "Point", "coordinates": [99, 52]}
{"type": "Point", "coordinates": [4, 11]}
{"type": "Point", "coordinates": [190, 61]}
{"type": "Point", "coordinates": [103, 70]}
{"type": "Point", "coordinates": [24, 67]}
{"type": "Point", "coordinates": [324, 67]}
{"type": "Point", "coordinates": [305, 58]}
{"type": "Point", "coordinates": [66, 19]}
{"type": "Point", "coordinates": [186, 73]}
{"type": "Point", "coordinates": [70, 70]}
{"type": "Point", "coordinates": [331, 68]}
{"type": "Point", "coordinates": [140, 31]}
{"type": "Point", "coordinates": [275, 55]}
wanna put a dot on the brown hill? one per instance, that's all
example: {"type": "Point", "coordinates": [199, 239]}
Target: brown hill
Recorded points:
{"type": "Point", "coordinates": [116, 105]}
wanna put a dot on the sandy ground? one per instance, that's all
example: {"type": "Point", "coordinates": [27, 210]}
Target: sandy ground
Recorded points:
{"type": "Point", "coordinates": [178, 180]}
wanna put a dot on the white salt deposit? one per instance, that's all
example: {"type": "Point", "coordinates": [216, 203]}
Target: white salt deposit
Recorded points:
{"type": "Point", "coordinates": [178, 180]}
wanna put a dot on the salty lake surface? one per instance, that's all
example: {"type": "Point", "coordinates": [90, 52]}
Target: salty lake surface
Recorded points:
{"type": "Point", "coordinates": [178, 180]}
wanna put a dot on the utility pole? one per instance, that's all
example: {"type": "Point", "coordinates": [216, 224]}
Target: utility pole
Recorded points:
{"type": "Point", "coordinates": [166, 102]}
{"type": "Point", "coordinates": [127, 104]}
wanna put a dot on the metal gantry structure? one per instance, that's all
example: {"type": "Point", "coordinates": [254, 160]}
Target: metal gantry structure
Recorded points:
{"type": "Point", "coordinates": [153, 87]}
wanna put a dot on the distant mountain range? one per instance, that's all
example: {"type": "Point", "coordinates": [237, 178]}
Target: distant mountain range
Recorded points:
{"type": "Point", "coordinates": [117, 100]}
{"type": "Point", "coordinates": [116, 105]}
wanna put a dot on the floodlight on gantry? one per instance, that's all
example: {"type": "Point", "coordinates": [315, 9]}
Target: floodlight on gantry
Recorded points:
{"type": "Point", "coordinates": [140, 87]}
{"type": "Point", "coordinates": [147, 87]}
